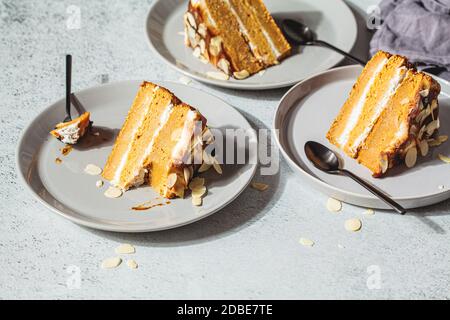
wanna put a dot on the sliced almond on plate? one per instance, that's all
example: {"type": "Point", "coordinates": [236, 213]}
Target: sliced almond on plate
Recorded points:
{"type": "Point", "coordinates": [113, 192]}
{"type": "Point", "coordinates": [444, 158]}
{"type": "Point", "coordinates": [92, 170]}
{"type": "Point", "coordinates": [411, 157]}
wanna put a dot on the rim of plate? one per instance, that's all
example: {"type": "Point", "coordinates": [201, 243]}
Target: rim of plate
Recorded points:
{"type": "Point", "coordinates": [316, 180]}
{"type": "Point", "coordinates": [236, 84]}
{"type": "Point", "coordinates": [87, 221]}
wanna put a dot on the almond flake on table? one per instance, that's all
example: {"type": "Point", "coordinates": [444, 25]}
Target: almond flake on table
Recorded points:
{"type": "Point", "coordinates": [132, 264]}
{"type": "Point", "coordinates": [334, 205]}
{"type": "Point", "coordinates": [353, 225]}
{"type": "Point", "coordinates": [125, 249]}
{"type": "Point", "coordinates": [111, 263]}
{"type": "Point", "coordinates": [306, 242]}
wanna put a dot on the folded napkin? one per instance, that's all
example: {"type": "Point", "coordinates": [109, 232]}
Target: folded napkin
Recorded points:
{"type": "Point", "coordinates": [417, 29]}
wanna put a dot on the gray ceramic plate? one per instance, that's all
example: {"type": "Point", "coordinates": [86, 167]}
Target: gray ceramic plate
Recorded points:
{"type": "Point", "coordinates": [306, 113]}
{"type": "Point", "coordinates": [66, 190]}
{"type": "Point", "coordinates": [332, 21]}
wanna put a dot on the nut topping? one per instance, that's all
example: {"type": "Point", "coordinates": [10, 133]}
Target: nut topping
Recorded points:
{"type": "Point", "coordinates": [202, 30]}
{"type": "Point", "coordinates": [423, 146]}
{"type": "Point", "coordinates": [224, 65]}
{"type": "Point", "coordinates": [411, 157]}
{"type": "Point", "coordinates": [240, 75]}
{"type": "Point", "coordinates": [425, 93]}
{"type": "Point", "coordinates": [215, 46]}
{"type": "Point", "coordinates": [171, 180]}
{"type": "Point", "coordinates": [189, 17]}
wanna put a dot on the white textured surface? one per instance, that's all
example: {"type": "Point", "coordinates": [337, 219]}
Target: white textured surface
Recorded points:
{"type": "Point", "coordinates": [248, 250]}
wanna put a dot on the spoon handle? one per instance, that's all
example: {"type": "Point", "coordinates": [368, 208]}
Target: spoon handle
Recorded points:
{"type": "Point", "coordinates": [381, 195]}
{"type": "Point", "coordinates": [68, 84]}
{"type": "Point", "coordinates": [346, 54]}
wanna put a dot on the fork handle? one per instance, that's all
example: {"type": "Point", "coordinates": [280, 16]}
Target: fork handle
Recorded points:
{"type": "Point", "coordinates": [68, 84]}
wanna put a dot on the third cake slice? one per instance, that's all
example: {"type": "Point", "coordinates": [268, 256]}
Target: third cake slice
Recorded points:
{"type": "Point", "coordinates": [161, 143]}
{"type": "Point", "coordinates": [239, 37]}
{"type": "Point", "coordinates": [390, 115]}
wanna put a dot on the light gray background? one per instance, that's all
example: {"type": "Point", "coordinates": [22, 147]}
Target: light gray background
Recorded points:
{"type": "Point", "coordinates": [248, 250]}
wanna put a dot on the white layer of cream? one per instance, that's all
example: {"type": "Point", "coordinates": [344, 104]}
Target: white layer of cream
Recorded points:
{"type": "Point", "coordinates": [394, 83]}
{"type": "Point", "coordinates": [70, 134]}
{"type": "Point", "coordinates": [184, 142]}
{"type": "Point", "coordinates": [139, 177]}
{"type": "Point", "coordinates": [148, 101]}
{"type": "Point", "coordinates": [357, 109]}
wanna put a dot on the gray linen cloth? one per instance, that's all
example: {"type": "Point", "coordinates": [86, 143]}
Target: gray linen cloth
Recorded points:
{"type": "Point", "coordinates": [417, 29]}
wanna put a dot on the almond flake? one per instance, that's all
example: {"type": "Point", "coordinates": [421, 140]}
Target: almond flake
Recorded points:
{"type": "Point", "coordinates": [125, 249]}
{"type": "Point", "coordinates": [261, 73]}
{"type": "Point", "coordinates": [334, 205]}
{"type": "Point", "coordinates": [190, 19]}
{"type": "Point", "coordinates": [442, 139]}
{"type": "Point", "coordinates": [423, 146]}
{"type": "Point", "coordinates": [411, 157]}
{"type": "Point", "coordinates": [240, 75]}
{"type": "Point", "coordinates": [384, 163]}
{"type": "Point", "coordinates": [444, 158]}
{"type": "Point", "coordinates": [353, 225]}
{"type": "Point", "coordinates": [217, 167]}
{"type": "Point", "coordinates": [424, 93]}
{"type": "Point", "coordinates": [306, 242]}
{"type": "Point", "coordinates": [260, 186]}
{"type": "Point", "coordinates": [204, 167]}
{"type": "Point", "coordinates": [93, 170]}
{"type": "Point", "coordinates": [99, 184]}
{"type": "Point", "coordinates": [196, 182]}
{"type": "Point", "coordinates": [433, 143]}
{"type": "Point", "coordinates": [432, 126]}
{"type": "Point", "coordinates": [197, 52]}
{"type": "Point", "coordinates": [198, 192]}
{"type": "Point", "coordinates": [113, 192]}
{"type": "Point", "coordinates": [111, 263]}
{"type": "Point", "coordinates": [172, 180]}
{"type": "Point", "coordinates": [217, 75]}
{"type": "Point", "coordinates": [187, 175]}
{"type": "Point", "coordinates": [197, 201]}
{"type": "Point", "coordinates": [132, 264]}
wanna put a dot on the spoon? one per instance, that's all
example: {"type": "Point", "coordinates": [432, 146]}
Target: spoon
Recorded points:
{"type": "Point", "coordinates": [326, 160]}
{"type": "Point", "coordinates": [68, 87]}
{"type": "Point", "coordinates": [300, 34]}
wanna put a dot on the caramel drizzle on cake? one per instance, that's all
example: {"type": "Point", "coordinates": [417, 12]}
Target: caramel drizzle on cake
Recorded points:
{"type": "Point", "coordinates": [154, 143]}
{"type": "Point", "coordinates": [239, 37]}
{"type": "Point", "coordinates": [390, 114]}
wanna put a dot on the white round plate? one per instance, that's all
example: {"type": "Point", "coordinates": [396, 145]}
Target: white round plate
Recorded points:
{"type": "Point", "coordinates": [65, 189]}
{"type": "Point", "coordinates": [306, 113]}
{"type": "Point", "coordinates": [331, 20]}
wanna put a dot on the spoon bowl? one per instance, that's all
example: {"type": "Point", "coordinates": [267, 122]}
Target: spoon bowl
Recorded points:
{"type": "Point", "coordinates": [327, 161]}
{"type": "Point", "coordinates": [321, 157]}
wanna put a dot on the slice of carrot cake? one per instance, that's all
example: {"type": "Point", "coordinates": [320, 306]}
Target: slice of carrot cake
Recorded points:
{"type": "Point", "coordinates": [239, 37]}
{"type": "Point", "coordinates": [70, 132]}
{"type": "Point", "coordinates": [390, 115]}
{"type": "Point", "coordinates": [158, 144]}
